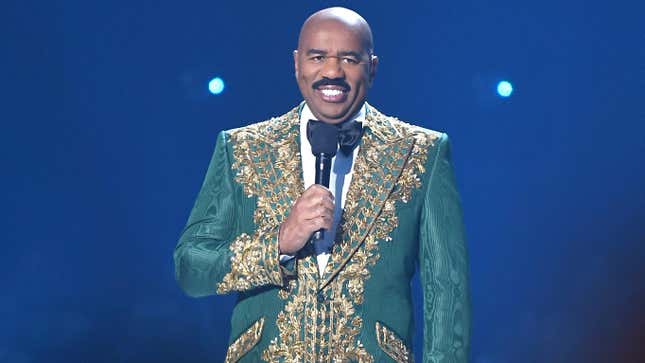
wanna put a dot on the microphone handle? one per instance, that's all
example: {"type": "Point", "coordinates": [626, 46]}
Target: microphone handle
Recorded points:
{"type": "Point", "coordinates": [323, 169]}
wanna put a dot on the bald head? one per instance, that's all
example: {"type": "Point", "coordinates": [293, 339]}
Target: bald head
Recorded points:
{"type": "Point", "coordinates": [348, 19]}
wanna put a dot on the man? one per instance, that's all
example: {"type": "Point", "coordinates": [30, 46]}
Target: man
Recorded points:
{"type": "Point", "coordinates": [391, 203]}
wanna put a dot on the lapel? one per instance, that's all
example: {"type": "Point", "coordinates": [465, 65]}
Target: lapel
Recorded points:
{"type": "Point", "coordinates": [381, 158]}
{"type": "Point", "coordinates": [277, 165]}
{"type": "Point", "coordinates": [268, 166]}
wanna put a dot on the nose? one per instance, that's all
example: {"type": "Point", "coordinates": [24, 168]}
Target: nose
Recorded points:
{"type": "Point", "coordinates": [332, 68]}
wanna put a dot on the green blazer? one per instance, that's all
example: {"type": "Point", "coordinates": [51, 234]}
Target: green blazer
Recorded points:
{"type": "Point", "coordinates": [402, 208]}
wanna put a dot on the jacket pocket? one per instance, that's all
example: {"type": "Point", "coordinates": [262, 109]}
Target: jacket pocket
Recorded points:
{"type": "Point", "coordinates": [392, 345]}
{"type": "Point", "coordinates": [245, 342]}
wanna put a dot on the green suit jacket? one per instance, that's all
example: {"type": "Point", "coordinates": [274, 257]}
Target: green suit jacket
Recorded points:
{"type": "Point", "coordinates": [402, 208]}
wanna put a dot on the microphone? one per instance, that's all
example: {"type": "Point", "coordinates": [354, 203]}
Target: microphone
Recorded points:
{"type": "Point", "coordinates": [323, 138]}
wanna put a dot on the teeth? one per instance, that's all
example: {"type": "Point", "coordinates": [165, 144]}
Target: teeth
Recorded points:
{"type": "Point", "coordinates": [331, 92]}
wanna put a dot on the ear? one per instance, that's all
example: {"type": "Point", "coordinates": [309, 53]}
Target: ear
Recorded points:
{"type": "Point", "coordinates": [373, 68]}
{"type": "Point", "coordinates": [295, 62]}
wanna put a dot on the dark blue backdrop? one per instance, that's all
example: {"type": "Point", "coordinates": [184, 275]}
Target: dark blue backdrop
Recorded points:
{"type": "Point", "coordinates": [108, 129]}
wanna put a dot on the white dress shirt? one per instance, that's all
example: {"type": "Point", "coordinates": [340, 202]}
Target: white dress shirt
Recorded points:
{"type": "Point", "coordinates": [342, 167]}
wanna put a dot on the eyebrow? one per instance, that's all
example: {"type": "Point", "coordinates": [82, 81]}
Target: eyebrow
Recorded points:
{"type": "Point", "coordinates": [350, 53]}
{"type": "Point", "coordinates": [316, 51]}
{"type": "Point", "coordinates": [341, 53]}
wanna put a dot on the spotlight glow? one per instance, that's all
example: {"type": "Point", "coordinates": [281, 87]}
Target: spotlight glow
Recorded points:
{"type": "Point", "coordinates": [216, 85]}
{"type": "Point", "coordinates": [504, 89]}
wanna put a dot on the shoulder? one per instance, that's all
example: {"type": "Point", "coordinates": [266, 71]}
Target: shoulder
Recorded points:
{"type": "Point", "coordinates": [392, 128]}
{"type": "Point", "coordinates": [266, 130]}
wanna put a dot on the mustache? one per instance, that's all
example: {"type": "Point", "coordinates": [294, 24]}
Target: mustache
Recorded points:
{"type": "Point", "coordinates": [331, 82]}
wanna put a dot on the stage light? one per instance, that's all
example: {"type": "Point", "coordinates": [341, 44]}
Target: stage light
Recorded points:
{"type": "Point", "coordinates": [216, 85]}
{"type": "Point", "coordinates": [504, 89]}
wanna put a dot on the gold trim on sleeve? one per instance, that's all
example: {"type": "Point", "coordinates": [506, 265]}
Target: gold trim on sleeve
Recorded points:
{"type": "Point", "coordinates": [254, 262]}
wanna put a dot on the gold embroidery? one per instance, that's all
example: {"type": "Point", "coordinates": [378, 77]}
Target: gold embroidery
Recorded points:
{"type": "Point", "coordinates": [294, 322]}
{"type": "Point", "coordinates": [344, 326]}
{"type": "Point", "coordinates": [387, 169]}
{"type": "Point", "coordinates": [391, 344]}
{"type": "Point", "coordinates": [254, 263]}
{"type": "Point", "coordinates": [386, 173]}
{"type": "Point", "coordinates": [245, 342]}
{"type": "Point", "coordinates": [320, 322]}
{"type": "Point", "coordinates": [275, 179]}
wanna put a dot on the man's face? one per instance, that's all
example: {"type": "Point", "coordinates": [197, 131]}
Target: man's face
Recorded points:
{"type": "Point", "coordinates": [334, 70]}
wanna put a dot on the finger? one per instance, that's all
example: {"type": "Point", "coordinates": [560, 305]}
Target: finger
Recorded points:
{"type": "Point", "coordinates": [309, 199]}
{"type": "Point", "coordinates": [327, 223]}
{"type": "Point", "coordinates": [323, 202]}
{"type": "Point", "coordinates": [328, 204]}
{"type": "Point", "coordinates": [317, 212]}
{"type": "Point", "coordinates": [317, 189]}
{"type": "Point", "coordinates": [320, 222]}
{"type": "Point", "coordinates": [327, 211]}
{"type": "Point", "coordinates": [323, 211]}
{"type": "Point", "coordinates": [314, 224]}
{"type": "Point", "coordinates": [317, 203]}
{"type": "Point", "coordinates": [324, 214]}
{"type": "Point", "coordinates": [322, 198]}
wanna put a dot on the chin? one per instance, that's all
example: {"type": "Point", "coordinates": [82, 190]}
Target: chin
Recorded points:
{"type": "Point", "coordinates": [335, 115]}
{"type": "Point", "coordinates": [335, 119]}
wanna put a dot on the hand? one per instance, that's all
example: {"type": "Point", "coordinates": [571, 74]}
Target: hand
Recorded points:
{"type": "Point", "coordinates": [312, 211]}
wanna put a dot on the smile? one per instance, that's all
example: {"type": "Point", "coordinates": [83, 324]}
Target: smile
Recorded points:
{"type": "Point", "coordinates": [333, 94]}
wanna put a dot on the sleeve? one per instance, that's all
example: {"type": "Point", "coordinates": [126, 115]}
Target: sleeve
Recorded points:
{"type": "Point", "coordinates": [443, 265]}
{"type": "Point", "coordinates": [213, 255]}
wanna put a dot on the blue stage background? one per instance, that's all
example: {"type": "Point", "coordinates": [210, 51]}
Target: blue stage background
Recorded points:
{"type": "Point", "coordinates": [108, 128]}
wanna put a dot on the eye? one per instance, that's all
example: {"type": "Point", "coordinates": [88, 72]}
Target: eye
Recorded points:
{"type": "Point", "coordinates": [350, 60]}
{"type": "Point", "coordinates": [317, 59]}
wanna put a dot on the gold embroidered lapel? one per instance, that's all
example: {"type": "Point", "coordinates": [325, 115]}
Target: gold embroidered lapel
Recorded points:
{"type": "Point", "coordinates": [267, 160]}
{"type": "Point", "coordinates": [383, 153]}
{"type": "Point", "coordinates": [269, 166]}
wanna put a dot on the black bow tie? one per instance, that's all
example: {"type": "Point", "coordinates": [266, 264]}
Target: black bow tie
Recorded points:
{"type": "Point", "coordinates": [349, 134]}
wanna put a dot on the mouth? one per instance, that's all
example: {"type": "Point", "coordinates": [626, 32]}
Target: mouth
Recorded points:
{"type": "Point", "coordinates": [332, 93]}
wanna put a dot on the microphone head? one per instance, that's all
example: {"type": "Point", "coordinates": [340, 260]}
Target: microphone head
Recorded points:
{"type": "Point", "coordinates": [323, 137]}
